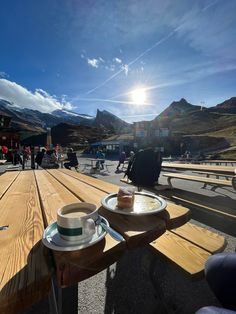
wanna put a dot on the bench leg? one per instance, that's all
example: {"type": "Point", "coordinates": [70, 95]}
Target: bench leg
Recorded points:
{"type": "Point", "coordinates": [169, 183]}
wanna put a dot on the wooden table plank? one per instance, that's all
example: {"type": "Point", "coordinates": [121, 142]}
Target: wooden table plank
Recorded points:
{"type": "Point", "coordinates": [196, 167]}
{"type": "Point", "coordinates": [136, 230]}
{"type": "Point", "coordinates": [24, 263]}
{"type": "Point", "coordinates": [53, 195]}
{"type": "Point", "coordinates": [188, 256]}
{"type": "Point", "coordinates": [99, 184]}
{"type": "Point", "coordinates": [202, 237]}
{"type": "Point", "coordinates": [6, 180]}
{"type": "Point", "coordinates": [85, 192]}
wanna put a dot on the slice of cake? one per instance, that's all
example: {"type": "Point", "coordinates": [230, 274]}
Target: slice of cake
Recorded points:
{"type": "Point", "coordinates": [125, 198]}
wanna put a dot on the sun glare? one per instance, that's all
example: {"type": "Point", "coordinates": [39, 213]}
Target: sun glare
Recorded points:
{"type": "Point", "coordinates": [138, 96]}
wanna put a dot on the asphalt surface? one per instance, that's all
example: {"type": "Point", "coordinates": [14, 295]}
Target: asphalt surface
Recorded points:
{"type": "Point", "coordinates": [128, 286]}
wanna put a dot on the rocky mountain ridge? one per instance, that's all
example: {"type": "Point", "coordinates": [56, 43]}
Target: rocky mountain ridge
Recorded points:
{"type": "Point", "coordinates": [30, 122]}
{"type": "Point", "coordinates": [188, 122]}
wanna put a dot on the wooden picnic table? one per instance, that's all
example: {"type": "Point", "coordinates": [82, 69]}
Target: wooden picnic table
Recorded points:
{"type": "Point", "coordinates": [202, 168]}
{"type": "Point", "coordinates": [219, 162]}
{"type": "Point", "coordinates": [28, 204]}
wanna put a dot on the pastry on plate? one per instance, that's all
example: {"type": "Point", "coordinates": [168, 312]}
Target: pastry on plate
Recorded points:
{"type": "Point", "coordinates": [125, 198]}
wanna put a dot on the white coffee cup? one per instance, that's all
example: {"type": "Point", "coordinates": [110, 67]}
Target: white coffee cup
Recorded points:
{"type": "Point", "coordinates": [76, 221]}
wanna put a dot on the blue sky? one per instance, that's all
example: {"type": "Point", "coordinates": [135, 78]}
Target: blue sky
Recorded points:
{"type": "Point", "coordinates": [84, 55]}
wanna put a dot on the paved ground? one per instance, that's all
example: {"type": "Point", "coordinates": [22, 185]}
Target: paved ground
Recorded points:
{"type": "Point", "coordinates": [128, 287]}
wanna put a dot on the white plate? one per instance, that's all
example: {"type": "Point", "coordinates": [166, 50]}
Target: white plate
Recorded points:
{"type": "Point", "coordinates": [144, 204]}
{"type": "Point", "coordinates": [53, 241]}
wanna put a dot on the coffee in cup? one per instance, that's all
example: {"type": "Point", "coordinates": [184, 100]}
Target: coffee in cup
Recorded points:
{"type": "Point", "coordinates": [76, 222]}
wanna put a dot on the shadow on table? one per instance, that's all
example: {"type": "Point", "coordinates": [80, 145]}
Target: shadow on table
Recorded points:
{"type": "Point", "coordinates": [131, 288]}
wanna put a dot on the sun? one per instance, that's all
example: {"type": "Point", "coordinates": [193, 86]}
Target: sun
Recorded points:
{"type": "Point", "coordinates": [138, 96]}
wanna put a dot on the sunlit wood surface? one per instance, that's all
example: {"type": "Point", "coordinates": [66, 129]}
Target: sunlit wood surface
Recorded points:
{"type": "Point", "coordinates": [29, 201]}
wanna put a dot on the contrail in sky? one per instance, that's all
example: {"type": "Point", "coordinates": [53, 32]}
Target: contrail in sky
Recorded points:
{"type": "Point", "coordinates": [132, 62]}
{"type": "Point", "coordinates": [146, 51]}
{"type": "Point", "coordinates": [114, 101]}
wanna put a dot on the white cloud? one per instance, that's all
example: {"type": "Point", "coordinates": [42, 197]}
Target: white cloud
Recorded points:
{"type": "Point", "coordinates": [37, 100]}
{"type": "Point", "coordinates": [93, 62]}
{"type": "Point", "coordinates": [117, 60]}
{"type": "Point", "coordinates": [3, 74]}
{"type": "Point", "coordinates": [125, 68]}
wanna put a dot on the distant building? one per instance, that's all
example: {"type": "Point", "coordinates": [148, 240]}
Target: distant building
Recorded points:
{"type": "Point", "coordinates": [115, 144]}
{"type": "Point", "coordinates": [8, 136]}
{"type": "Point", "coordinates": [148, 130]}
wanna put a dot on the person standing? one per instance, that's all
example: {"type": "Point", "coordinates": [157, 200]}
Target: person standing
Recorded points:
{"type": "Point", "coordinates": [122, 158]}
{"type": "Point", "coordinates": [101, 156]}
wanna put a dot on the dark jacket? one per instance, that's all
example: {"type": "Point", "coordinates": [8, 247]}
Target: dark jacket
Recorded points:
{"type": "Point", "coordinates": [145, 167]}
{"type": "Point", "coordinates": [71, 157]}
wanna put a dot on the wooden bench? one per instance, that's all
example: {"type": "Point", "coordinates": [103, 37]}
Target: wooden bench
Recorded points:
{"type": "Point", "coordinates": [215, 182]}
{"type": "Point", "coordinates": [217, 175]}
{"type": "Point", "coordinates": [189, 247]}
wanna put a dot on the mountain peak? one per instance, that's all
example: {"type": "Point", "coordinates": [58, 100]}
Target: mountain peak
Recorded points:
{"type": "Point", "coordinates": [181, 103]}
{"type": "Point", "coordinates": [108, 120]}
{"type": "Point", "coordinates": [177, 108]}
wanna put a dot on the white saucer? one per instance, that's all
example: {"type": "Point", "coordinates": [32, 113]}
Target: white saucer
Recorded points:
{"type": "Point", "coordinates": [53, 241]}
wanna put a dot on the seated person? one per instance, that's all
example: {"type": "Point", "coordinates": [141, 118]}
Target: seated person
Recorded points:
{"type": "Point", "coordinates": [39, 157]}
{"type": "Point", "coordinates": [100, 163]}
{"type": "Point", "coordinates": [72, 160]}
{"type": "Point", "coordinates": [49, 160]}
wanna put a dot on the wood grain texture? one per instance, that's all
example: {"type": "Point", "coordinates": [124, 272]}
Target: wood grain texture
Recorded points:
{"type": "Point", "coordinates": [204, 238]}
{"type": "Point", "coordinates": [83, 191]}
{"type": "Point", "coordinates": [188, 256]}
{"type": "Point", "coordinates": [100, 185]}
{"type": "Point", "coordinates": [53, 195]}
{"type": "Point", "coordinates": [196, 167]}
{"type": "Point", "coordinates": [6, 180]}
{"type": "Point", "coordinates": [179, 215]}
{"type": "Point", "coordinates": [24, 263]}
